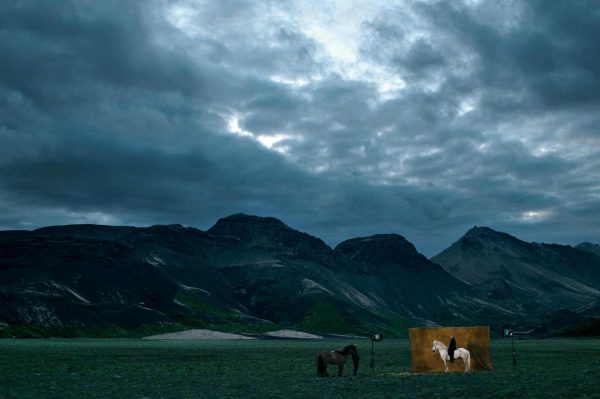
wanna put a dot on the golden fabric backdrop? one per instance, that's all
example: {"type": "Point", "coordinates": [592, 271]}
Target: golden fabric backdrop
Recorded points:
{"type": "Point", "coordinates": [474, 339]}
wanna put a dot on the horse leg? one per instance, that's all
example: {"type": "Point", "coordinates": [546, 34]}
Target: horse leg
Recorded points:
{"type": "Point", "coordinates": [341, 370]}
{"type": "Point", "coordinates": [445, 358]}
{"type": "Point", "coordinates": [321, 366]}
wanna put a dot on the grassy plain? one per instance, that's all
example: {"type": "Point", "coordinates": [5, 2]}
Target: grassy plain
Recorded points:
{"type": "Point", "coordinates": [133, 368]}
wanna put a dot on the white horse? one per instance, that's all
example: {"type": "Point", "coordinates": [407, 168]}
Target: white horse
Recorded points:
{"type": "Point", "coordinates": [461, 353]}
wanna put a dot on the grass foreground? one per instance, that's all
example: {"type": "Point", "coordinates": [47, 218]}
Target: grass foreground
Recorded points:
{"type": "Point", "coordinates": [134, 368]}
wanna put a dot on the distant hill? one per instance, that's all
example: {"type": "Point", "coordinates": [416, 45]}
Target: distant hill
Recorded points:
{"type": "Point", "coordinates": [532, 279]}
{"type": "Point", "coordinates": [251, 274]}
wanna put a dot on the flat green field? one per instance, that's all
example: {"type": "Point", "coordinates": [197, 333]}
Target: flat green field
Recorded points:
{"type": "Point", "coordinates": [129, 368]}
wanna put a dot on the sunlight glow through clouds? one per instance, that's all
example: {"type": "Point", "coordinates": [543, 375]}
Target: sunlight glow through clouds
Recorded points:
{"type": "Point", "coordinates": [233, 126]}
{"type": "Point", "coordinates": [298, 82]}
{"type": "Point", "coordinates": [336, 26]}
{"type": "Point", "coordinates": [467, 105]}
{"type": "Point", "coordinates": [534, 216]}
{"type": "Point", "coordinates": [182, 18]}
{"type": "Point", "coordinates": [271, 142]}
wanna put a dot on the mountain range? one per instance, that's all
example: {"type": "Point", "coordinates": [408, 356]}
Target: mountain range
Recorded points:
{"type": "Point", "coordinates": [252, 274]}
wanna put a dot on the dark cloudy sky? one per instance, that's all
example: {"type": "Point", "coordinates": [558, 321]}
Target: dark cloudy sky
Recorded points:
{"type": "Point", "coordinates": [341, 118]}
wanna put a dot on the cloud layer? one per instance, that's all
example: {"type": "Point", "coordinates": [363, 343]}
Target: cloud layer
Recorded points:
{"type": "Point", "coordinates": [421, 118]}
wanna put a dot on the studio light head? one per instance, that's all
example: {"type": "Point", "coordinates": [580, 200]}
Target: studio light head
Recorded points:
{"type": "Point", "coordinates": [377, 337]}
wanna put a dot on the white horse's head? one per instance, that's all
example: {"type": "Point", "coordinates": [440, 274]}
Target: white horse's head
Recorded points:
{"type": "Point", "coordinates": [437, 346]}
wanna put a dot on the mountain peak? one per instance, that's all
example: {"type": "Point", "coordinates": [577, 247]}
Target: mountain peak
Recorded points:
{"type": "Point", "coordinates": [482, 231]}
{"type": "Point", "coordinates": [486, 234]}
{"type": "Point", "coordinates": [395, 241]}
{"type": "Point", "coordinates": [379, 251]}
{"type": "Point", "coordinates": [244, 217]}
{"type": "Point", "coordinates": [176, 226]}
{"type": "Point", "coordinates": [241, 222]}
{"type": "Point", "coordinates": [270, 233]}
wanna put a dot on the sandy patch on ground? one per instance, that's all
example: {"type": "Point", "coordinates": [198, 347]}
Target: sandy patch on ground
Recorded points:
{"type": "Point", "coordinates": [347, 336]}
{"type": "Point", "coordinates": [199, 334]}
{"type": "Point", "coordinates": [292, 334]}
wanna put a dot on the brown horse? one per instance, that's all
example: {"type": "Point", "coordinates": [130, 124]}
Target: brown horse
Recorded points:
{"type": "Point", "coordinates": [338, 357]}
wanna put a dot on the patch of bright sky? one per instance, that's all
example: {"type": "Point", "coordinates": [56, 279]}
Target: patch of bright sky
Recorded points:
{"type": "Point", "coordinates": [272, 142]}
{"type": "Point", "coordinates": [233, 125]}
{"type": "Point", "coordinates": [546, 149]}
{"type": "Point", "coordinates": [467, 105]}
{"type": "Point", "coordinates": [337, 26]}
{"type": "Point", "coordinates": [534, 216]}
{"type": "Point", "coordinates": [546, 135]}
{"type": "Point", "coordinates": [181, 16]}
{"type": "Point", "coordinates": [296, 82]}
{"type": "Point", "coordinates": [95, 217]}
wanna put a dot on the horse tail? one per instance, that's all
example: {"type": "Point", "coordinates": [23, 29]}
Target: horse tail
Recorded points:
{"type": "Point", "coordinates": [320, 365]}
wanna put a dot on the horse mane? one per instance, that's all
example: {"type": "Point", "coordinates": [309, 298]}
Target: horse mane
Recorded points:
{"type": "Point", "coordinates": [345, 349]}
{"type": "Point", "coordinates": [440, 343]}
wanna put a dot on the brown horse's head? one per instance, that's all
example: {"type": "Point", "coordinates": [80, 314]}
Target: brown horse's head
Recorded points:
{"type": "Point", "coordinates": [352, 350]}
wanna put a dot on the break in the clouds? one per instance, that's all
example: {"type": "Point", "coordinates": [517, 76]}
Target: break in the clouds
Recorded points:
{"type": "Point", "coordinates": [341, 118]}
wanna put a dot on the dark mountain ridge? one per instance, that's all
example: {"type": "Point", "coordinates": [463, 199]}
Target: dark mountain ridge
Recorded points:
{"type": "Point", "coordinates": [249, 273]}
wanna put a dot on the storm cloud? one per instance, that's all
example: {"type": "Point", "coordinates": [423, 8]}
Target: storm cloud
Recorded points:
{"type": "Point", "coordinates": [340, 118]}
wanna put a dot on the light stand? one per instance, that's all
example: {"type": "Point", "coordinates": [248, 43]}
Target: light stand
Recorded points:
{"type": "Point", "coordinates": [514, 354]}
{"type": "Point", "coordinates": [375, 337]}
{"type": "Point", "coordinates": [512, 333]}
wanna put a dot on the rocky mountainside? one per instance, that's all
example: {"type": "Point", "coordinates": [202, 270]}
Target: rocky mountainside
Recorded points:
{"type": "Point", "coordinates": [82, 277]}
{"type": "Point", "coordinates": [403, 280]}
{"type": "Point", "coordinates": [249, 273]}
{"type": "Point", "coordinates": [244, 273]}
{"type": "Point", "coordinates": [530, 278]}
